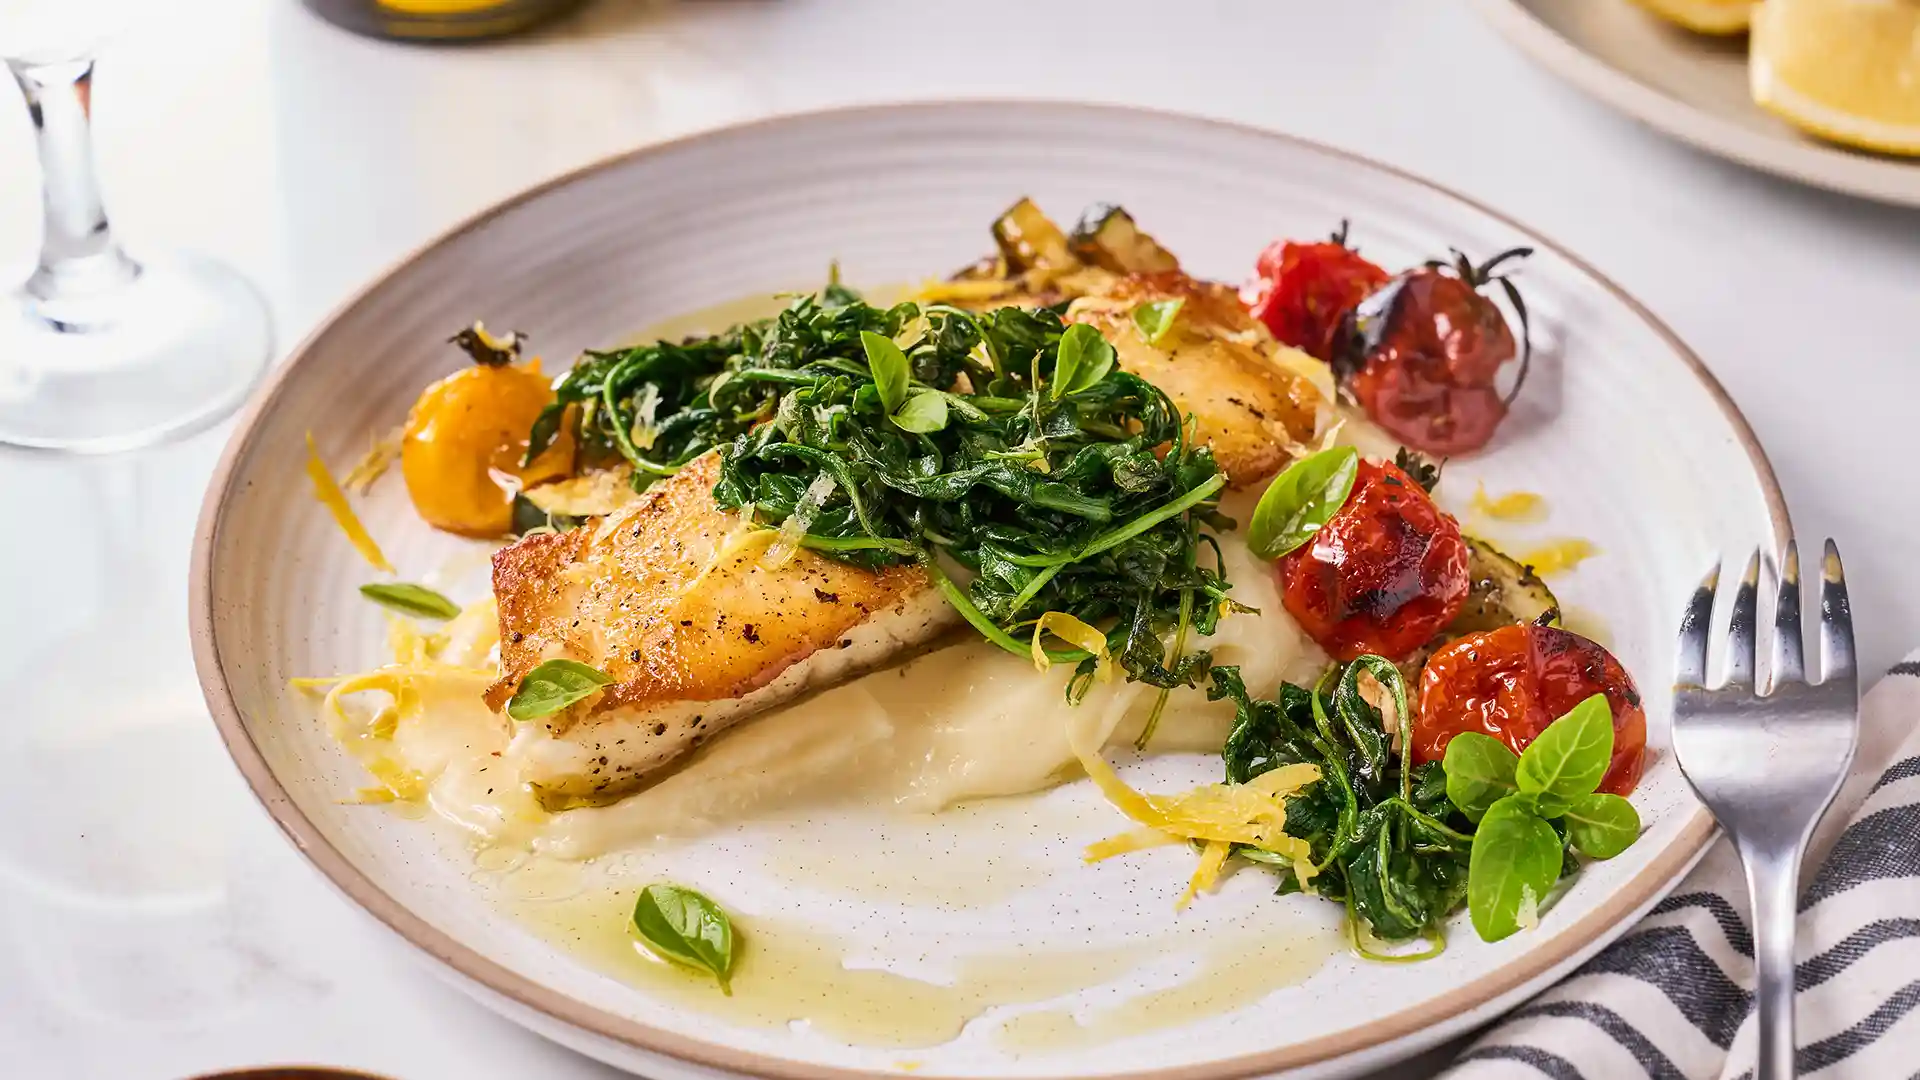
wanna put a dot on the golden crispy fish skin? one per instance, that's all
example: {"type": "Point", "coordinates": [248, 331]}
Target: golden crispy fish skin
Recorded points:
{"type": "Point", "coordinates": [696, 624]}
{"type": "Point", "coordinates": [1216, 364]}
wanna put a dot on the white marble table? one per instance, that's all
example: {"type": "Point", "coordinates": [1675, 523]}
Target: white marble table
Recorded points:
{"type": "Point", "coordinates": [152, 922]}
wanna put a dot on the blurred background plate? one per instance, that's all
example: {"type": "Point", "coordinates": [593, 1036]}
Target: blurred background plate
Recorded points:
{"type": "Point", "coordinates": [1690, 86]}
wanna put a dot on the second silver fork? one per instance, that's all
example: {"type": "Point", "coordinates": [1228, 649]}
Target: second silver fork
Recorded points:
{"type": "Point", "coordinates": [1768, 765]}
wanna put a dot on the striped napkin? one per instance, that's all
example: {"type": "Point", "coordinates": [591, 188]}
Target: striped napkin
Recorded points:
{"type": "Point", "coordinates": [1673, 999]}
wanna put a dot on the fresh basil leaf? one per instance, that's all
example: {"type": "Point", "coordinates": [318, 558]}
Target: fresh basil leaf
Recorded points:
{"type": "Point", "coordinates": [1100, 359]}
{"type": "Point", "coordinates": [1569, 758]}
{"type": "Point", "coordinates": [925, 411]}
{"type": "Point", "coordinates": [1154, 318]}
{"type": "Point", "coordinates": [1479, 772]}
{"type": "Point", "coordinates": [411, 599]}
{"type": "Point", "coordinates": [1601, 826]}
{"type": "Point", "coordinates": [1541, 805]}
{"type": "Point", "coordinates": [1084, 358]}
{"type": "Point", "coordinates": [553, 686]}
{"type": "Point", "coordinates": [890, 369]}
{"type": "Point", "coordinates": [1514, 862]}
{"type": "Point", "coordinates": [685, 927]}
{"type": "Point", "coordinates": [1301, 500]}
{"type": "Point", "coordinates": [1546, 803]}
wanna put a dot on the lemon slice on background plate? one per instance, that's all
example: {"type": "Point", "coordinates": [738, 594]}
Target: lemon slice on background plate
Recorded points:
{"type": "Point", "coordinates": [1703, 16]}
{"type": "Point", "coordinates": [1844, 70]}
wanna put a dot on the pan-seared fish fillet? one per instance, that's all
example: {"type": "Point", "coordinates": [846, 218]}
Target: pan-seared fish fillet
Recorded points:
{"type": "Point", "coordinates": [1216, 363]}
{"type": "Point", "coordinates": [680, 605]}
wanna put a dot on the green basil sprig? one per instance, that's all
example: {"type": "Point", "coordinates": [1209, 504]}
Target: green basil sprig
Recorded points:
{"type": "Point", "coordinates": [1570, 758]}
{"type": "Point", "coordinates": [410, 599]}
{"type": "Point", "coordinates": [1515, 861]}
{"type": "Point", "coordinates": [1083, 360]}
{"type": "Point", "coordinates": [1517, 854]}
{"type": "Point", "coordinates": [1155, 317]}
{"type": "Point", "coordinates": [553, 686]}
{"type": "Point", "coordinates": [889, 366]}
{"type": "Point", "coordinates": [1480, 772]}
{"type": "Point", "coordinates": [682, 926]}
{"type": "Point", "coordinates": [1601, 826]}
{"type": "Point", "coordinates": [1301, 500]}
{"type": "Point", "coordinates": [924, 411]}
{"type": "Point", "coordinates": [918, 409]}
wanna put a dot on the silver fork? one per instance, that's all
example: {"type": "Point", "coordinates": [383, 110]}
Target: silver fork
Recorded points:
{"type": "Point", "coordinates": [1768, 765]}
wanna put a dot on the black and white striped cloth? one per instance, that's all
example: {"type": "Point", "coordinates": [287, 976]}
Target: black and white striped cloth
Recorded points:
{"type": "Point", "coordinates": [1672, 1000]}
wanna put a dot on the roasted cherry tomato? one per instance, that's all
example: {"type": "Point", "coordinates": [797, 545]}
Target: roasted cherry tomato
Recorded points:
{"type": "Point", "coordinates": [1384, 574]}
{"type": "Point", "coordinates": [1426, 350]}
{"type": "Point", "coordinates": [1512, 682]}
{"type": "Point", "coordinates": [464, 440]}
{"type": "Point", "coordinates": [1304, 292]}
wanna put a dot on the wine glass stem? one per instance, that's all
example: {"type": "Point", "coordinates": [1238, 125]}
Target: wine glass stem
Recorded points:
{"type": "Point", "coordinates": [78, 255]}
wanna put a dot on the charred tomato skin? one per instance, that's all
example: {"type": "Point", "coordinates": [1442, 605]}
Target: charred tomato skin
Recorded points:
{"type": "Point", "coordinates": [1426, 350]}
{"type": "Point", "coordinates": [1304, 293]}
{"type": "Point", "coordinates": [1512, 682]}
{"type": "Point", "coordinates": [1385, 574]}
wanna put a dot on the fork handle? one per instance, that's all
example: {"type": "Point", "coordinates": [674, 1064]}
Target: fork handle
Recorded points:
{"type": "Point", "coordinates": [1773, 879]}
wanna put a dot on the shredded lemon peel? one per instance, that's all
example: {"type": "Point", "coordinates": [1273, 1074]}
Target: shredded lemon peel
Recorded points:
{"type": "Point", "coordinates": [328, 492]}
{"type": "Point", "coordinates": [1218, 816]}
{"type": "Point", "coordinates": [414, 666]}
{"type": "Point", "coordinates": [1128, 842]}
{"type": "Point", "coordinates": [1075, 632]}
{"type": "Point", "coordinates": [383, 453]}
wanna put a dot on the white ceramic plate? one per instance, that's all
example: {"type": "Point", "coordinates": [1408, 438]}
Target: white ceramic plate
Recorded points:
{"type": "Point", "coordinates": [1690, 86]}
{"type": "Point", "coordinates": [1636, 446]}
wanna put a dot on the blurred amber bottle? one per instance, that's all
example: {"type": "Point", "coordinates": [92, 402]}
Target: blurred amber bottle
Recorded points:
{"type": "Point", "coordinates": [439, 20]}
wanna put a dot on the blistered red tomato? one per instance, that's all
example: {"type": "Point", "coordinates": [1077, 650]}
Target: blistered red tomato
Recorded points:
{"type": "Point", "coordinates": [1512, 682]}
{"type": "Point", "coordinates": [1303, 292]}
{"type": "Point", "coordinates": [1428, 349]}
{"type": "Point", "coordinates": [1384, 574]}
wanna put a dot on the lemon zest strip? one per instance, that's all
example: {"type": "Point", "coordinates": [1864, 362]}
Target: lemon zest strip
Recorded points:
{"type": "Point", "coordinates": [328, 492]}
{"type": "Point", "coordinates": [1253, 814]}
{"type": "Point", "coordinates": [1207, 874]}
{"type": "Point", "coordinates": [1075, 632]}
{"type": "Point", "coordinates": [1128, 842]}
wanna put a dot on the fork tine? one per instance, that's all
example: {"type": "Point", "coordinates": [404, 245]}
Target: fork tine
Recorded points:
{"type": "Point", "coordinates": [1742, 632]}
{"type": "Point", "coordinates": [1836, 620]}
{"type": "Point", "coordinates": [1695, 628]}
{"type": "Point", "coordinates": [1789, 656]}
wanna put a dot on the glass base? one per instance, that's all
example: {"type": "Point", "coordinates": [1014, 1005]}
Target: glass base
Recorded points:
{"type": "Point", "coordinates": [162, 355]}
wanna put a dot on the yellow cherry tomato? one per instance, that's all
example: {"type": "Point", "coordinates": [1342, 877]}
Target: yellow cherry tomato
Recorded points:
{"type": "Point", "coordinates": [464, 441]}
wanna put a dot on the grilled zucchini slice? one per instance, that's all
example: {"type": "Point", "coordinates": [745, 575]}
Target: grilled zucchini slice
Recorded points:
{"type": "Point", "coordinates": [1028, 239]}
{"type": "Point", "coordinates": [1108, 238]}
{"type": "Point", "coordinates": [1503, 592]}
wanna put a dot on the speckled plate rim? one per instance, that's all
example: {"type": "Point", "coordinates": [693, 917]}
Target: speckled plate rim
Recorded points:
{"type": "Point", "coordinates": [1598, 926]}
{"type": "Point", "coordinates": [1783, 155]}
